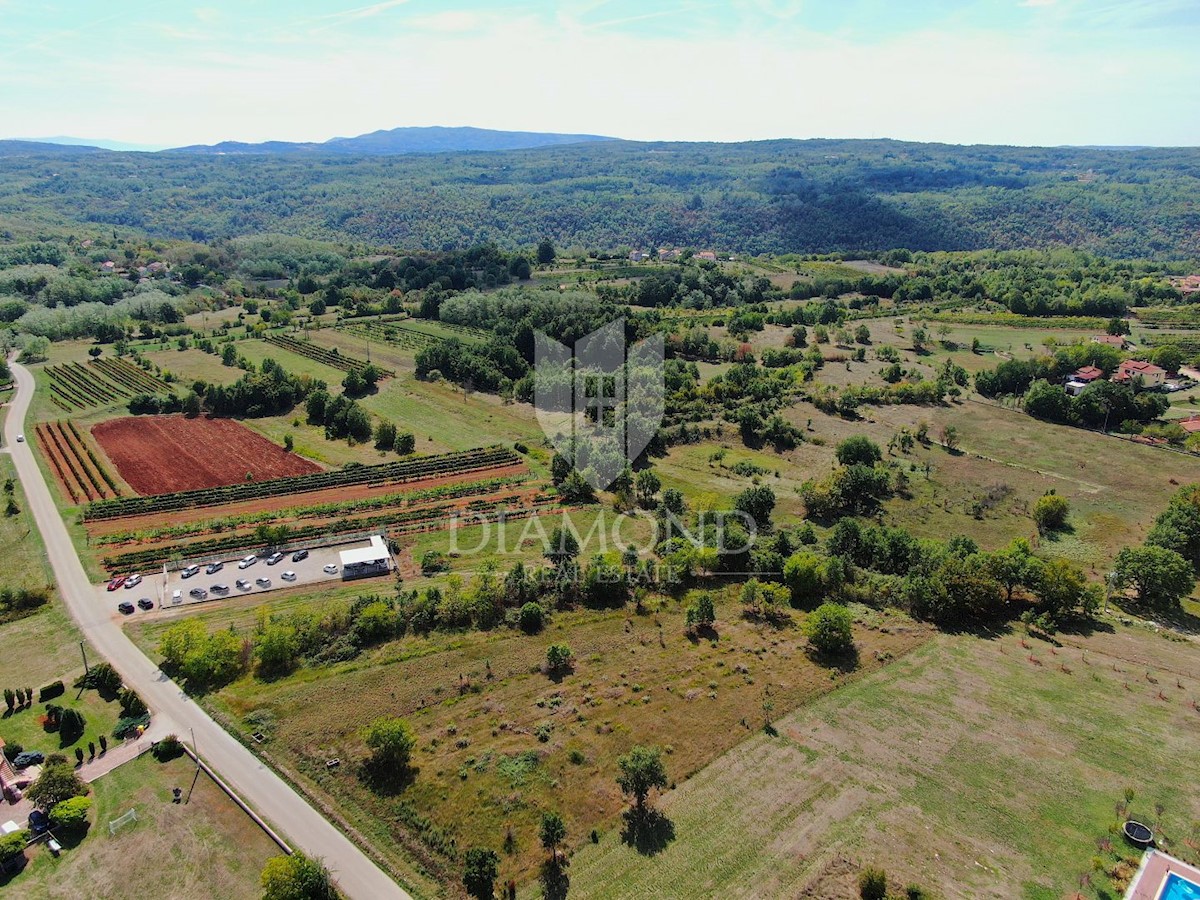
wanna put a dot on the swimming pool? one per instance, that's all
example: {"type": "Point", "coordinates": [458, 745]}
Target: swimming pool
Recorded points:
{"type": "Point", "coordinates": [1178, 888]}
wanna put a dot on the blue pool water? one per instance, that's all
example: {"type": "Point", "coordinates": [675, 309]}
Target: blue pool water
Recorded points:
{"type": "Point", "coordinates": [1176, 888]}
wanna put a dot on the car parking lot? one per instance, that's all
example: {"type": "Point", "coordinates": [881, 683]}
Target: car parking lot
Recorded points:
{"type": "Point", "coordinates": [206, 581]}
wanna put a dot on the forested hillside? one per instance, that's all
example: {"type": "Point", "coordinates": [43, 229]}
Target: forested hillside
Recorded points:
{"type": "Point", "coordinates": [776, 196]}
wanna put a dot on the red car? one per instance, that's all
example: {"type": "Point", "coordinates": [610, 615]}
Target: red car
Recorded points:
{"type": "Point", "coordinates": [116, 582]}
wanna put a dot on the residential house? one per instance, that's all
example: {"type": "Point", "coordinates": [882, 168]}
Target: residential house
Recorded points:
{"type": "Point", "coordinates": [1112, 340]}
{"type": "Point", "coordinates": [636, 255]}
{"type": "Point", "coordinates": [707, 254]}
{"type": "Point", "coordinates": [667, 253]}
{"type": "Point", "coordinates": [1150, 374]}
{"type": "Point", "coordinates": [1081, 379]}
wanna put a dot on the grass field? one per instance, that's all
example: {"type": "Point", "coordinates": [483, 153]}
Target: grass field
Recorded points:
{"type": "Point", "coordinates": [477, 701]}
{"type": "Point", "coordinates": [963, 767]}
{"type": "Point", "coordinates": [207, 848]}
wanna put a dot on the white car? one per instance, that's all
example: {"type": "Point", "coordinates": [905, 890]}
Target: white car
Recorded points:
{"type": "Point", "coordinates": [189, 571]}
{"type": "Point", "coordinates": [263, 582]}
{"type": "Point", "coordinates": [133, 581]}
{"type": "Point", "coordinates": [331, 569]}
{"type": "Point", "coordinates": [176, 597]}
{"type": "Point", "coordinates": [20, 438]}
{"type": "Point", "coordinates": [289, 575]}
{"type": "Point", "coordinates": [247, 561]}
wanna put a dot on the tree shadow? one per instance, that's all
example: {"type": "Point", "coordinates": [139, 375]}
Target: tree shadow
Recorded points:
{"type": "Point", "coordinates": [844, 662]}
{"type": "Point", "coordinates": [554, 880]}
{"type": "Point", "coordinates": [387, 781]}
{"type": "Point", "coordinates": [648, 831]}
{"type": "Point", "coordinates": [1178, 618]}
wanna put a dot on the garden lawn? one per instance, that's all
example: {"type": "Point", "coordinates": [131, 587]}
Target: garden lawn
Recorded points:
{"type": "Point", "coordinates": [976, 768]}
{"type": "Point", "coordinates": [207, 848]}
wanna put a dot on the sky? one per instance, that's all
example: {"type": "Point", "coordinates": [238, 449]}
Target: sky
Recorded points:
{"type": "Point", "coordinates": [1034, 72]}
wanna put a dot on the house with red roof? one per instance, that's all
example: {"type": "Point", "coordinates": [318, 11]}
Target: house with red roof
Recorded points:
{"type": "Point", "coordinates": [1150, 374]}
{"type": "Point", "coordinates": [1112, 340]}
{"type": "Point", "coordinates": [1081, 379]}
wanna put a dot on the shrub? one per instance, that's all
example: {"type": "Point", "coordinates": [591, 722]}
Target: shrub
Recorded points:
{"type": "Point", "coordinates": [49, 692]}
{"type": "Point", "coordinates": [13, 844]}
{"type": "Point", "coordinates": [103, 677]}
{"type": "Point", "coordinates": [872, 884]}
{"type": "Point", "coordinates": [558, 658]}
{"type": "Point", "coordinates": [168, 748]}
{"type": "Point", "coordinates": [532, 618]}
{"type": "Point", "coordinates": [479, 872]}
{"type": "Point", "coordinates": [858, 450]}
{"type": "Point", "coordinates": [57, 782]}
{"type": "Point", "coordinates": [131, 703]}
{"type": "Point", "coordinates": [71, 724]}
{"type": "Point", "coordinates": [701, 614]}
{"type": "Point", "coordinates": [391, 741]}
{"type": "Point", "coordinates": [1050, 512]}
{"type": "Point", "coordinates": [296, 877]}
{"type": "Point", "coordinates": [828, 629]}
{"type": "Point", "coordinates": [72, 814]}
{"type": "Point", "coordinates": [434, 561]}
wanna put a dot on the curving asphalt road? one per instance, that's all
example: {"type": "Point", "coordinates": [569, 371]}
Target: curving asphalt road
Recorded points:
{"type": "Point", "coordinates": [356, 875]}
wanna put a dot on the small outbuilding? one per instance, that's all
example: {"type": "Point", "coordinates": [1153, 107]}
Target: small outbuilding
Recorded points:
{"type": "Point", "coordinates": [365, 562]}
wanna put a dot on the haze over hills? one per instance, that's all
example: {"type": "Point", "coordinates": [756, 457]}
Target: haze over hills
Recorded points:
{"type": "Point", "coordinates": [385, 142]}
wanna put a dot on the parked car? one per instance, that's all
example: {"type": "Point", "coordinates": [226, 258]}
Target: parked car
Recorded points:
{"type": "Point", "coordinates": [263, 582]}
{"type": "Point", "coordinates": [299, 555]}
{"type": "Point", "coordinates": [176, 597]}
{"type": "Point", "coordinates": [213, 568]}
{"type": "Point", "coordinates": [330, 569]}
{"type": "Point", "coordinates": [274, 558]}
{"type": "Point", "coordinates": [198, 592]}
{"type": "Point", "coordinates": [146, 603]}
{"type": "Point", "coordinates": [133, 581]}
{"type": "Point", "coordinates": [39, 822]}
{"type": "Point", "coordinates": [20, 438]}
{"type": "Point", "coordinates": [220, 589]}
{"type": "Point", "coordinates": [189, 571]}
{"type": "Point", "coordinates": [125, 606]}
{"type": "Point", "coordinates": [242, 584]}
{"type": "Point", "coordinates": [289, 575]}
{"type": "Point", "coordinates": [247, 561]}
{"type": "Point", "coordinates": [116, 582]}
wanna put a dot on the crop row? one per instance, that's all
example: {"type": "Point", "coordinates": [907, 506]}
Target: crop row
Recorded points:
{"type": "Point", "coordinates": [66, 475]}
{"type": "Point", "coordinates": [332, 358]}
{"type": "Point", "coordinates": [384, 473]}
{"type": "Point", "coordinates": [79, 471]}
{"type": "Point", "coordinates": [315, 511]}
{"type": "Point", "coordinates": [431, 518]}
{"type": "Point", "coordinates": [131, 377]}
{"type": "Point", "coordinates": [411, 337]}
{"type": "Point", "coordinates": [75, 386]}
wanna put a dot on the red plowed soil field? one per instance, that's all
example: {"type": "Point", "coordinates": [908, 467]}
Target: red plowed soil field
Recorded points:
{"type": "Point", "coordinates": [163, 454]}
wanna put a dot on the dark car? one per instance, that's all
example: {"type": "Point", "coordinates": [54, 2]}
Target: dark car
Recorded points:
{"type": "Point", "coordinates": [299, 555]}
{"type": "Point", "coordinates": [125, 606]}
{"type": "Point", "coordinates": [198, 593]}
{"type": "Point", "coordinates": [146, 603]}
{"type": "Point", "coordinates": [220, 589]}
{"type": "Point", "coordinates": [213, 568]}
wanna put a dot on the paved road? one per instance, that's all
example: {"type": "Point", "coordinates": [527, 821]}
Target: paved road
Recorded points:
{"type": "Point", "coordinates": [357, 876]}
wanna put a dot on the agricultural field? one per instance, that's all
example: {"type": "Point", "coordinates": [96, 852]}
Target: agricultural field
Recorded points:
{"type": "Point", "coordinates": [100, 382]}
{"type": "Point", "coordinates": [81, 472]}
{"type": "Point", "coordinates": [482, 764]}
{"type": "Point", "coordinates": [974, 767]}
{"type": "Point", "coordinates": [312, 351]}
{"type": "Point", "coordinates": [413, 334]}
{"type": "Point", "coordinates": [206, 848]}
{"type": "Point", "coordinates": [166, 454]}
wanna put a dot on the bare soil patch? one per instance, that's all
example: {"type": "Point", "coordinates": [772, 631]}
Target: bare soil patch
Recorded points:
{"type": "Point", "coordinates": [164, 454]}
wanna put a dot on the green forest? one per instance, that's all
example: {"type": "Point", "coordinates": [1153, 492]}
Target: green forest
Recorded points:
{"type": "Point", "coordinates": [814, 196]}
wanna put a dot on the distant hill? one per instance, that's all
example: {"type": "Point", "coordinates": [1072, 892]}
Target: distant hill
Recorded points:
{"type": "Point", "coordinates": [813, 196]}
{"type": "Point", "coordinates": [434, 139]}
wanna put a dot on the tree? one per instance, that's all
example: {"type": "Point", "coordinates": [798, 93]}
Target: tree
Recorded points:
{"type": "Point", "coordinates": [354, 384]}
{"type": "Point", "coordinates": [391, 741]}
{"type": "Point", "coordinates": [1160, 577]}
{"type": "Point", "coordinates": [641, 770]}
{"type": "Point", "coordinates": [553, 831]}
{"type": "Point", "coordinates": [296, 877]}
{"type": "Point", "coordinates": [576, 489]}
{"type": "Point", "coordinates": [71, 814]}
{"type": "Point", "coordinates": [532, 617]}
{"type": "Point", "coordinates": [191, 405]}
{"type": "Point", "coordinates": [406, 443]}
{"type": "Point", "coordinates": [828, 629]}
{"type": "Point", "coordinates": [1050, 512]}
{"type": "Point", "coordinates": [872, 884]}
{"type": "Point", "coordinates": [758, 503]}
{"type": "Point", "coordinates": [479, 872]}
{"type": "Point", "coordinates": [862, 335]}
{"type": "Point", "coordinates": [13, 844]}
{"type": "Point", "coordinates": [563, 546]}
{"type": "Point", "coordinates": [289, 443]}
{"type": "Point", "coordinates": [702, 613]}
{"type": "Point", "coordinates": [648, 485]}
{"type": "Point", "coordinates": [1063, 592]}
{"type": "Point", "coordinates": [558, 658]}
{"type": "Point", "coordinates": [385, 435]}
{"type": "Point", "coordinates": [1012, 567]}
{"type": "Point", "coordinates": [546, 252]}
{"type": "Point", "coordinates": [1168, 356]}
{"type": "Point", "coordinates": [58, 782]}
{"type": "Point", "coordinates": [810, 576]}
{"type": "Point", "coordinates": [858, 450]}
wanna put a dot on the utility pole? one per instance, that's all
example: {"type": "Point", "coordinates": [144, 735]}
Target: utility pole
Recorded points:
{"type": "Point", "coordinates": [85, 662]}
{"type": "Point", "coordinates": [195, 777]}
